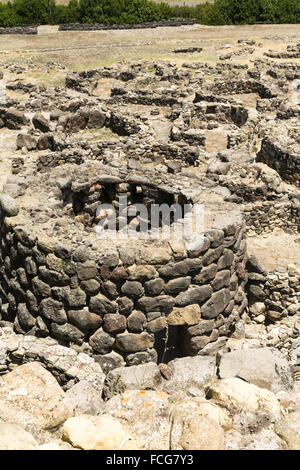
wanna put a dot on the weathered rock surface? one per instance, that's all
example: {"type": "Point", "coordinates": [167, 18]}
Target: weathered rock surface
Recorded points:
{"type": "Point", "coordinates": [264, 367]}
{"type": "Point", "coordinates": [31, 395]}
{"type": "Point", "coordinates": [144, 410]}
{"type": "Point", "coordinates": [238, 394]}
{"type": "Point", "coordinates": [98, 433]}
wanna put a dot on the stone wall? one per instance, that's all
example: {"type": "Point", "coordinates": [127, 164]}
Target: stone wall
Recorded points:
{"type": "Point", "coordinates": [273, 295]}
{"type": "Point", "coordinates": [265, 216]}
{"type": "Point", "coordinates": [67, 365]}
{"type": "Point", "coordinates": [30, 29]}
{"type": "Point", "coordinates": [284, 161]}
{"type": "Point", "coordinates": [110, 303]}
{"type": "Point", "coordinates": [264, 90]}
{"type": "Point", "coordinates": [99, 26]}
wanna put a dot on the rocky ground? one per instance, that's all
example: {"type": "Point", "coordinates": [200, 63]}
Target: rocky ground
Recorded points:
{"type": "Point", "coordinates": [200, 114]}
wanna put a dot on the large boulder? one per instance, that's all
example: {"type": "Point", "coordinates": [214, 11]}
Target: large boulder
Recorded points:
{"type": "Point", "coordinates": [99, 433]}
{"type": "Point", "coordinates": [189, 374]}
{"type": "Point", "coordinates": [8, 205]}
{"type": "Point", "coordinates": [289, 430]}
{"type": "Point", "coordinates": [40, 122]}
{"type": "Point", "coordinates": [200, 433]}
{"type": "Point", "coordinates": [240, 395]}
{"type": "Point", "coordinates": [30, 395]}
{"type": "Point", "coordinates": [140, 377]}
{"type": "Point", "coordinates": [13, 437]}
{"type": "Point", "coordinates": [96, 119]}
{"type": "Point", "coordinates": [14, 119]}
{"type": "Point", "coordinates": [146, 412]}
{"type": "Point", "coordinates": [85, 397]}
{"type": "Point", "coordinates": [264, 367]}
{"type": "Point", "coordinates": [26, 140]}
{"type": "Point", "coordinates": [197, 424]}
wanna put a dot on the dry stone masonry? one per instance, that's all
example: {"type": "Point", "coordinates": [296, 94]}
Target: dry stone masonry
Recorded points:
{"type": "Point", "coordinates": [150, 134]}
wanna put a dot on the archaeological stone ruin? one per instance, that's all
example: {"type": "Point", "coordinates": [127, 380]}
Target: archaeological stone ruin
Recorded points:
{"type": "Point", "coordinates": [224, 136]}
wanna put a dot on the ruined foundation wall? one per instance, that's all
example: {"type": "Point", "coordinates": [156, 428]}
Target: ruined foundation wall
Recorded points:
{"type": "Point", "coordinates": [111, 305]}
{"type": "Point", "coordinates": [285, 161]}
{"type": "Point", "coordinates": [149, 24]}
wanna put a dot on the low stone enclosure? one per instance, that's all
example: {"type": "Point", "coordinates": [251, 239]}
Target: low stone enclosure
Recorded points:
{"type": "Point", "coordinates": [138, 299]}
{"type": "Point", "coordinates": [118, 296]}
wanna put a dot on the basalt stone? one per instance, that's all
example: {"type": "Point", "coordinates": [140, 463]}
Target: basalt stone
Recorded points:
{"type": "Point", "coordinates": [110, 289]}
{"type": "Point", "coordinates": [132, 289]}
{"type": "Point", "coordinates": [207, 274]}
{"type": "Point", "coordinates": [204, 246]}
{"type": "Point", "coordinates": [63, 251]}
{"type": "Point", "coordinates": [226, 260]}
{"type": "Point", "coordinates": [202, 327]}
{"type": "Point", "coordinates": [81, 254]}
{"type": "Point", "coordinates": [31, 302]}
{"type": "Point", "coordinates": [114, 323]}
{"type": "Point", "coordinates": [26, 320]}
{"type": "Point", "coordinates": [100, 304]}
{"type": "Point", "coordinates": [9, 205]}
{"type": "Point", "coordinates": [101, 342]}
{"type": "Point", "coordinates": [125, 305]}
{"type": "Point", "coordinates": [109, 361]}
{"type": "Point", "coordinates": [233, 282]}
{"type": "Point", "coordinates": [110, 258]}
{"type": "Point", "coordinates": [26, 140]}
{"type": "Point", "coordinates": [257, 292]}
{"type": "Point", "coordinates": [119, 274]}
{"type": "Point", "coordinates": [158, 324]}
{"type": "Point", "coordinates": [30, 267]}
{"type": "Point", "coordinates": [75, 298]}
{"type": "Point", "coordinates": [222, 279]}
{"type": "Point", "coordinates": [162, 303]}
{"type": "Point", "coordinates": [212, 255]}
{"type": "Point", "coordinates": [141, 358]}
{"type": "Point", "coordinates": [175, 286]}
{"type": "Point", "coordinates": [53, 278]}
{"type": "Point", "coordinates": [193, 295]}
{"type": "Point", "coordinates": [58, 293]}
{"type": "Point", "coordinates": [53, 310]}
{"type": "Point", "coordinates": [154, 287]}
{"type": "Point", "coordinates": [91, 287]}
{"type": "Point", "coordinates": [132, 342]}
{"type": "Point", "coordinates": [25, 236]}
{"type": "Point", "coordinates": [256, 277]}
{"type": "Point", "coordinates": [39, 257]}
{"type": "Point", "coordinates": [254, 265]}
{"type": "Point", "coordinates": [136, 322]}
{"type": "Point", "coordinates": [215, 236]}
{"type": "Point", "coordinates": [87, 270]}
{"type": "Point", "coordinates": [96, 119]}
{"type": "Point", "coordinates": [84, 319]}
{"type": "Point", "coordinates": [67, 332]}
{"type": "Point", "coordinates": [40, 122]}
{"type": "Point", "coordinates": [152, 315]}
{"type": "Point", "coordinates": [181, 316]}
{"type": "Point", "coordinates": [24, 251]}
{"type": "Point", "coordinates": [41, 329]}
{"type": "Point", "coordinates": [23, 278]}
{"type": "Point", "coordinates": [182, 268]}
{"type": "Point", "coordinates": [195, 344]}
{"type": "Point", "coordinates": [141, 272]}
{"type": "Point", "coordinates": [17, 289]}
{"type": "Point", "coordinates": [216, 304]}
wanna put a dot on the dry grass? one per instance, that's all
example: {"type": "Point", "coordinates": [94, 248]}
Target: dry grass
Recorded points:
{"type": "Point", "coordinates": [93, 49]}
